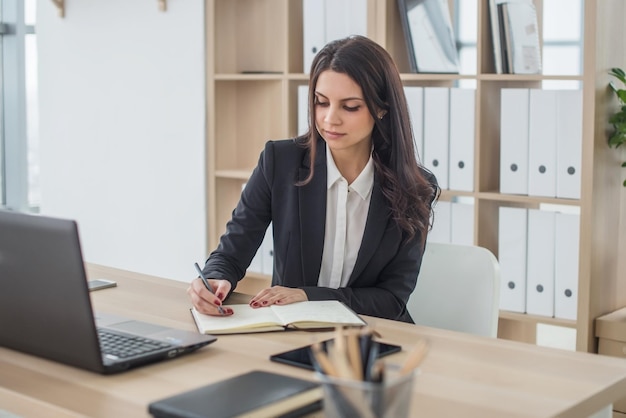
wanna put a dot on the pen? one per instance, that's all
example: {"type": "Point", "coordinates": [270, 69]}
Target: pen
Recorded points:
{"type": "Point", "coordinates": [207, 285]}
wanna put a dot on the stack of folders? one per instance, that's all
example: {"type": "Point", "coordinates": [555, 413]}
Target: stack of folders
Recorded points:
{"type": "Point", "coordinates": [538, 256]}
{"type": "Point", "coordinates": [541, 142]}
{"type": "Point", "coordinates": [445, 139]}
{"type": "Point", "coordinates": [515, 36]}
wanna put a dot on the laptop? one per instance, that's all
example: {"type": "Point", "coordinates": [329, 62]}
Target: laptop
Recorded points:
{"type": "Point", "coordinates": [46, 311]}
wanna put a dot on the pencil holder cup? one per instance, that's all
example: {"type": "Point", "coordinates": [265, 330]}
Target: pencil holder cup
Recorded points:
{"type": "Point", "coordinates": [348, 398]}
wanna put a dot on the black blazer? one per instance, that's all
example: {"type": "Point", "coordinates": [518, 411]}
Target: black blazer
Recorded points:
{"type": "Point", "coordinates": [385, 272]}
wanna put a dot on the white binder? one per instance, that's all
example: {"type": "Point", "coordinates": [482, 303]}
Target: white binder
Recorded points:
{"type": "Point", "coordinates": [462, 223]}
{"type": "Point", "coordinates": [303, 109]}
{"type": "Point", "coordinates": [512, 241]}
{"type": "Point", "coordinates": [542, 143]}
{"type": "Point", "coordinates": [540, 269]}
{"type": "Point", "coordinates": [514, 141]}
{"type": "Point", "coordinates": [569, 119]}
{"type": "Point", "coordinates": [256, 265]}
{"type": "Point", "coordinates": [327, 20]}
{"type": "Point", "coordinates": [462, 109]}
{"type": "Point", "coordinates": [436, 128]}
{"type": "Point", "coordinates": [567, 238]}
{"type": "Point", "coordinates": [440, 231]}
{"type": "Point", "coordinates": [336, 19]}
{"type": "Point", "coordinates": [345, 18]}
{"type": "Point", "coordinates": [313, 30]}
{"type": "Point", "coordinates": [415, 101]}
{"type": "Point", "coordinates": [267, 251]}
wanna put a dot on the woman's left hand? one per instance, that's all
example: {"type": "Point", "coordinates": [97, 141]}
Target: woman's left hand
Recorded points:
{"type": "Point", "coordinates": [278, 295]}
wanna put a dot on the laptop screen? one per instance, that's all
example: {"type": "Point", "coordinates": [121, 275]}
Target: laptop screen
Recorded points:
{"type": "Point", "coordinates": [45, 308]}
{"type": "Point", "coordinates": [45, 305]}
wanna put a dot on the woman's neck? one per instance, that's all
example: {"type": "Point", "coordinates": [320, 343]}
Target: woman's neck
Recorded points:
{"type": "Point", "coordinates": [350, 163]}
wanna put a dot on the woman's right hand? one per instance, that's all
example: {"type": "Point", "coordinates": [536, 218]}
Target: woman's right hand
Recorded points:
{"type": "Point", "coordinates": [206, 302]}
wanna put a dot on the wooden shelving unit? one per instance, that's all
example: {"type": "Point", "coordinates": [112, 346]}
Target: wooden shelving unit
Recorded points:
{"type": "Point", "coordinates": [254, 66]}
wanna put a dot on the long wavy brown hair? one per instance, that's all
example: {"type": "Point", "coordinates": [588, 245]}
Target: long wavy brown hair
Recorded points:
{"type": "Point", "coordinates": [408, 191]}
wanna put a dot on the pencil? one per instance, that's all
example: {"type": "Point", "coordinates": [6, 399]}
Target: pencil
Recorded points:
{"type": "Point", "coordinates": [354, 355]}
{"type": "Point", "coordinates": [339, 355]}
{"type": "Point", "coordinates": [415, 357]}
{"type": "Point", "coordinates": [322, 359]}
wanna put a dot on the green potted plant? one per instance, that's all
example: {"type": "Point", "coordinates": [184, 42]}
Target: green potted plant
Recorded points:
{"type": "Point", "coordinates": [618, 120]}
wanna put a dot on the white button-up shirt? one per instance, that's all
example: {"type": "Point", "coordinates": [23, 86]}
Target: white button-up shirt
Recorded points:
{"type": "Point", "coordinates": [347, 206]}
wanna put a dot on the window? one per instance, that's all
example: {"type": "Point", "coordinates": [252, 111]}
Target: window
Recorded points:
{"type": "Point", "coordinates": [562, 41]}
{"type": "Point", "coordinates": [18, 116]}
{"type": "Point", "coordinates": [465, 20]}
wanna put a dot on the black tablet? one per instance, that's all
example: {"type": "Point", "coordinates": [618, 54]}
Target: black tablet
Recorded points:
{"type": "Point", "coordinates": [301, 357]}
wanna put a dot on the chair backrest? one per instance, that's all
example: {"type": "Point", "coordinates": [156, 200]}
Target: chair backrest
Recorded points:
{"type": "Point", "coordinates": [458, 288]}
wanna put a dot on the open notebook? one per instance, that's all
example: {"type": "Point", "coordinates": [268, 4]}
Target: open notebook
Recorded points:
{"type": "Point", "coordinates": [316, 314]}
{"type": "Point", "coordinates": [45, 307]}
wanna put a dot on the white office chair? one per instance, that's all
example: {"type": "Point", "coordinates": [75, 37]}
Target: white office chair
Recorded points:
{"type": "Point", "coordinates": [458, 288]}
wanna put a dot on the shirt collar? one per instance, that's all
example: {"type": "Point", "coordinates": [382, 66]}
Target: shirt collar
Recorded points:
{"type": "Point", "coordinates": [362, 184]}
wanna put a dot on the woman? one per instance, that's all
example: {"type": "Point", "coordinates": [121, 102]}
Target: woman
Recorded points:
{"type": "Point", "coordinates": [349, 205]}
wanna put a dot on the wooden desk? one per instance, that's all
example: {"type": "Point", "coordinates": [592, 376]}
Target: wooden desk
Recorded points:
{"type": "Point", "coordinates": [463, 375]}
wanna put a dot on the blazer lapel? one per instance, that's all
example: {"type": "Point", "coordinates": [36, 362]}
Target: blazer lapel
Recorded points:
{"type": "Point", "coordinates": [377, 218]}
{"type": "Point", "coordinates": [313, 215]}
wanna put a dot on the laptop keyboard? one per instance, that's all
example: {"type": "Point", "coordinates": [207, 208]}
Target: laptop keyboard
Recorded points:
{"type": "Point", "coordinates": [114, 345]}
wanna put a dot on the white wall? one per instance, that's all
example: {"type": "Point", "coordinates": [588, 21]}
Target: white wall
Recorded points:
{"type": "Point", "coordinates": [122, 127]}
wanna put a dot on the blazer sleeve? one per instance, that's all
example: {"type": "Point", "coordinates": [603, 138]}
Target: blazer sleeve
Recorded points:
{"type": "Point", "coordinates": [245, 230]}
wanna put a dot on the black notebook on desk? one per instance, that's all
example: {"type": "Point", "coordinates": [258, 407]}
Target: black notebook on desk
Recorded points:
{"type": "Point", "coordinates": [256, 394]}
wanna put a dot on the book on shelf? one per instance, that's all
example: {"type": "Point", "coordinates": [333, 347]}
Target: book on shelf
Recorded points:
{"type": "Point", "coordinates": [322, 314]}
{"type": "Point", "coordinates": [494, 26]}
{"type": "Point", "coordinates": [515, 36]}
{"type": "Point", "coordinates": [429, 36]}
{"type": "Point", "coordinates": [255, 394]}
{"type": "Point", "coordinates": [506, 62]}
{"type": "Point", "coordinates": [519, 37]}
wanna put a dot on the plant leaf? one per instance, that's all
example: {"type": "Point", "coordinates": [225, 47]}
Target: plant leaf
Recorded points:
{"type": "Point", "coordinates": [619, 74]}
{"type": "Point", "coordinates": [618, 118]}
{"type": "Point", "coordinates": [617, 138]}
